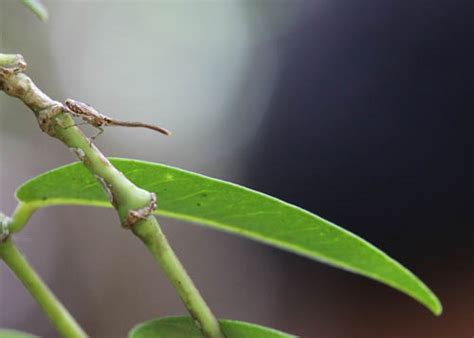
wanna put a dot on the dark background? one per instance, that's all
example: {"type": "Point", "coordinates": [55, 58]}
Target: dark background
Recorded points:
{"type": "Point", "coordinates": [370, 125]}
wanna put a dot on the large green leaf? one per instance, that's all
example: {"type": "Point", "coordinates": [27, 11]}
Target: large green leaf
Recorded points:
{"type": "Point", "coordinates": [188, 196]}
{"type": "Point", "coordinates": [180, 327]}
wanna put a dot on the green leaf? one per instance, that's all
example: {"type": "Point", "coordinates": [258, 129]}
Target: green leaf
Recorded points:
{"type": "Point", "coordinates": [37, 7]}
{"type": "Point", "coordinates": [180, 327]}
{"type": "Point", "coordinates": [7, 333]}
{"type": "Point", "coordinates": [225, 206]}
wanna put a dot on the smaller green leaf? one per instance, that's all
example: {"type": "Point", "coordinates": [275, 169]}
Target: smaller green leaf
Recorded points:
{"type": "Point", "coordinates": [7, 333]}
{"type": "Point", "coordinates": [37, 7]}
{"type": "Point", "coordinates": [180, 327]}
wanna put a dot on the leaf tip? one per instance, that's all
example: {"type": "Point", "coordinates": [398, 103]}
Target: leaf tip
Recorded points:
{"type": "Point", "coordinates": [431, 302]}
{"type": "Point", "coordinates": [37, 7]}
{"type": "Point", "coordinates": [437, 307]}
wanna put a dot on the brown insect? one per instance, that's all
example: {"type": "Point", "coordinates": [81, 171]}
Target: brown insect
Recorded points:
{"type": "Point", "coordinates": [91, 116]}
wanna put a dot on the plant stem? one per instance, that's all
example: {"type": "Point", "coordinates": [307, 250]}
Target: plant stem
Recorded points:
{"type": "Point", "coordinates": [57, 313]}
{"type": "Point", "coordinates": [150, 233]}
{"type": "Point", "coordinates": [7, 59]}
{"type": "Point", "coordinates": [21, 216]}
{"type": "Point", "coordinates": [133, 204]}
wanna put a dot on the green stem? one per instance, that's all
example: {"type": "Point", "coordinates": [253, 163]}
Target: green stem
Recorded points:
{"type": "Point", "coordinates": [150, 233]}
{"type": "Point", "coordinates": [21, 216]}
{"type": "Point", "coordinates": [53, 308]}
{"type": "Point", "coordinates": [8, 59]}
{"type": "Point", "coordinates": [132, 203]}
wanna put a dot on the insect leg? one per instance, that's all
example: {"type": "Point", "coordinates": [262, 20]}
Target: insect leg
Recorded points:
{"type": "Point", "coordinates": [96, 135]}
{"type": "Point", "coordinates": [76, 124]}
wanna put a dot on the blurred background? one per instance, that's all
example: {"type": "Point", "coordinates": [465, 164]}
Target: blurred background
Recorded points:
{"type": "Point", "coordinates": [359, 111]}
